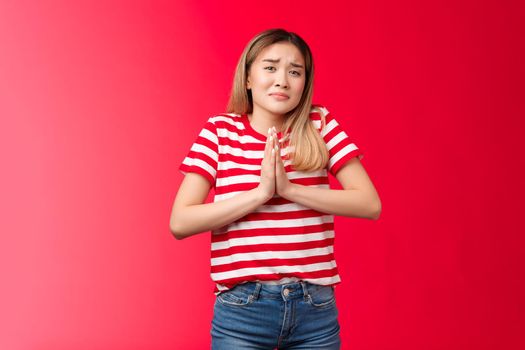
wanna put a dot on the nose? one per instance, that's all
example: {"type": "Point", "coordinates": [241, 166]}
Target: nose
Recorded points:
{"type": "Point", "coordinates": [281, 79]}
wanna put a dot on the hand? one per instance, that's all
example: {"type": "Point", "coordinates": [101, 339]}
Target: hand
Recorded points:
{"type": "Point", "coordinates": [282, 184]}
{"type": "Point", "coordinates": [267, 182]}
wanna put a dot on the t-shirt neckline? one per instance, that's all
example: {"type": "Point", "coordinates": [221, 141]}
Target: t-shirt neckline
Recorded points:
{"type": "Point", "coordinates": [252, 131]}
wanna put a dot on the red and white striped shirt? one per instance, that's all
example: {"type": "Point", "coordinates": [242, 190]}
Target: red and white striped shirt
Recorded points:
{"type": "Point", "coordinates": [281, 240]}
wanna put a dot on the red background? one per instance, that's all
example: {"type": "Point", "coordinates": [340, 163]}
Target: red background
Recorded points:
{"type": "Point", "coordinates": [100, 101]}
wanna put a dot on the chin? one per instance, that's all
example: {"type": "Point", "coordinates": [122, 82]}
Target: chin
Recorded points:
{"type": "Point", "coordinates": [283, 109]}
{"type": "Point", "coordinates": [280, 110]}
{"type": "Point", "coordinates": [279, 107]}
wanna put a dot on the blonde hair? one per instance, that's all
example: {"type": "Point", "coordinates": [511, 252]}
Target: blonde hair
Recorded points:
{"type": "Point", "coordinates": [307, 149]}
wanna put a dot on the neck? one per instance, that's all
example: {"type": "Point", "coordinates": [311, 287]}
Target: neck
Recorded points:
{"type": "Point", "coordinates": [262, 120]}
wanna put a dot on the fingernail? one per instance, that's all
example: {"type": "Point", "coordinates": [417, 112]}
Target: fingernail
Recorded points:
{"type": "Point", "coordinates": [271, 138]}
{"type": "Point", "coordinates": [269, 130]}
{"type": "Point", "coordinates": [273, 151]}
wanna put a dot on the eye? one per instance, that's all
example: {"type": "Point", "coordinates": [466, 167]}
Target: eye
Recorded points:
{"type": "Point", "coordinates": [298, 74]}
{"type": "Point", "coordinates": [268, 67]}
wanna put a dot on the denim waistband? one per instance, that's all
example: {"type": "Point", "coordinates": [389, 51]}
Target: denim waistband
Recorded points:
{"type": "Point", "coordinates": [292, 290]}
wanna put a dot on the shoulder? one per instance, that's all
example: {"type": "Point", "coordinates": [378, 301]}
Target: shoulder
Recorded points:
{"type": "Point", "coordinates": [318, 110]}
{"type": "Point", "coordinates": [320, 116]}
{"type": "Point", "coordinates": [225, 120]}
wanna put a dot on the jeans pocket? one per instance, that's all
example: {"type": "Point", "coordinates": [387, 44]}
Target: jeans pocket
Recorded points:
{"type": "Point", "coordinates": [237, 296]}
{"type": "Point", "coordinates": [321, 296]}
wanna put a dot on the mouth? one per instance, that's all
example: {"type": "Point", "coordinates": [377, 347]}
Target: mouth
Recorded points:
{"type": "Point", "coordinates": [280, 96]}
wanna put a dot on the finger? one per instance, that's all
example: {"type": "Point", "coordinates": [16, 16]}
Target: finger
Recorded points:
{"type": "Point", "coordinates": [268, 145]}
{"type": "Point", "coordinates": [274, 155]}
{"type": "Point", "coordinates": [277, 162]}
{"type": "Point", "coordinates": [272, 158]}
{"type": "Point", "coordinates": [277, 156]}
{"type": "Point", "coordinates": [275, 138]}
{"type": "Point", "coordinates": [278, 159]}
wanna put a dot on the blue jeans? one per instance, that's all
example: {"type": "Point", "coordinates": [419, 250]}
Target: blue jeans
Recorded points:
{"type": "Point", "coordinates": [297, 315]}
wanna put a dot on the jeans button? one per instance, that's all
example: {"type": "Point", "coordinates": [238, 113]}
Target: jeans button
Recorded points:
{"type": "Point", "coordinates": [286, 291]}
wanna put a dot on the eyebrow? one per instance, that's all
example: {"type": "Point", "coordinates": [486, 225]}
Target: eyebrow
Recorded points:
{"type": "Point", "coordinates": [277, 61]}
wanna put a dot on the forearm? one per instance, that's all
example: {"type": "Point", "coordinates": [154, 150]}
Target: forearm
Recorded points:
{"type": "Point", "coordinates": [199, 218]}
{"type": "Point", "coordinates": [350, 203]}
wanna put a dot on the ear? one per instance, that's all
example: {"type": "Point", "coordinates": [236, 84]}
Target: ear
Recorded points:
{"type": "Point", "coordinates": [248, 83]}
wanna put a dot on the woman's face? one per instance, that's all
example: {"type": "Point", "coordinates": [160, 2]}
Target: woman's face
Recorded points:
{"type": "Point", "coordinates": [277, 78]}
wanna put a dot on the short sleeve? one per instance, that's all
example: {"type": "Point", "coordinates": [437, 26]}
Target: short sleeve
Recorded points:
{"type": "Point", "coordinates": [341, 147]}
{"type": "Point", "coordinates": [204, 154]}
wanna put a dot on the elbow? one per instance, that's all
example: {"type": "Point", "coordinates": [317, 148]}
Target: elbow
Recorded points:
{"type": "Point", "coordinates": [376, 210]}
{"type": "Point", "coordinates": [178, 224]}
{"type": "Point", "coordinates": [176, 230]}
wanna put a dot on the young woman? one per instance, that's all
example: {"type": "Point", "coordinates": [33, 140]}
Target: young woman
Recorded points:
{"type": "Point", "coordinates": [272, 219]}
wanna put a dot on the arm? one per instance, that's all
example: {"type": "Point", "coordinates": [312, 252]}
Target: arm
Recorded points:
{"type": "Point", "coordinates": [190, 216]}
{"type": "Point", "coordinates": [359, 197]}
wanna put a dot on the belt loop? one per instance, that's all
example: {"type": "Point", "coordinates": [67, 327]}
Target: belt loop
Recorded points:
{"type": "Point", "coordinates": [305, 290]}
{"type": "Point", "coordinates": [257, 290]}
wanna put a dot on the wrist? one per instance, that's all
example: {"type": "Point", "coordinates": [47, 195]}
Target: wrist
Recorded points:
{"type": "Point", "coordinates": [289, 192]}
{"type": "Point", "coordinates": [261, 196]}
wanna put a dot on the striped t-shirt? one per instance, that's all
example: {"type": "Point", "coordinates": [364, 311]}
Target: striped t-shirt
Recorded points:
{"type": "Point", "coordinates": [281, 240]}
